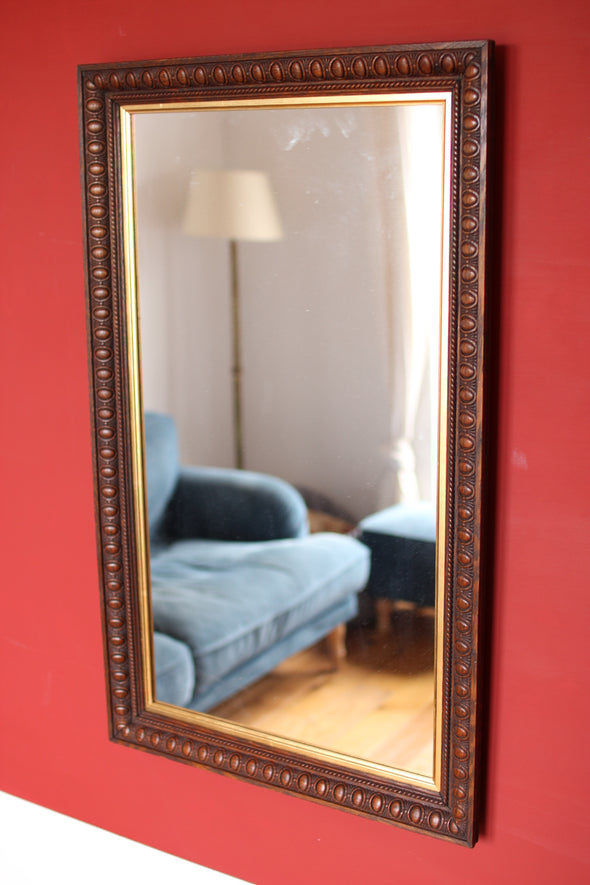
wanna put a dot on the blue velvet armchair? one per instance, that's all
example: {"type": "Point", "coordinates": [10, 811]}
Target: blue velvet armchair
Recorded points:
{"type": "Point", "coordinates": [238, 583]}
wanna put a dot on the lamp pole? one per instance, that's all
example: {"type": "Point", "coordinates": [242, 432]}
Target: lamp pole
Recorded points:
{"type": "Point", "coordinates": [236, 356]}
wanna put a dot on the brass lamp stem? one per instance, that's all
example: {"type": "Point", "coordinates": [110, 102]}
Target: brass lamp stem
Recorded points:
{"type": "Point", "coordinates": [237, 356]}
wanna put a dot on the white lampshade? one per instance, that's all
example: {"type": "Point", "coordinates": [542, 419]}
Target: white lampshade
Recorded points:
{"type": "Point", "coordinates": [235, 204]}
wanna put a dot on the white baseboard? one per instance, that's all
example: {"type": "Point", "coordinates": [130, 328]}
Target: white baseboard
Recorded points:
{"type": "Point", "coordinates": [42, 847]}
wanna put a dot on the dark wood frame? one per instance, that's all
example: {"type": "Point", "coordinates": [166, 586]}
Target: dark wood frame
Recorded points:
{"type": "Point", "coordinates": [463, 70]}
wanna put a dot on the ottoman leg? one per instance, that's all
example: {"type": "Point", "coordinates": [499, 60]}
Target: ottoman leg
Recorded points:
{"type": "Point", "coordinates": [383, 610]}
{"type": "Point", "coordinates": [336, 641]}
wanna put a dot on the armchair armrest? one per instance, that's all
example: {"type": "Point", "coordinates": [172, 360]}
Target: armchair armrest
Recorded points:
{"type": "Point", "coordinates": [235, 505]}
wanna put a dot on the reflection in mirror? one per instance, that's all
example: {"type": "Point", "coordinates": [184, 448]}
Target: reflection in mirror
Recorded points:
{"type": "Point", "coordinates": [291, 265]}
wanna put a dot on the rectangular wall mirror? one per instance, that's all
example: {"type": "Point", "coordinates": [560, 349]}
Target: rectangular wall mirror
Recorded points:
{"type": "Point", "coordinates": [285, 282]}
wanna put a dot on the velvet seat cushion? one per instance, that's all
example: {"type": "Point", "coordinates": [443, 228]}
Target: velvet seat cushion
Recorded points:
{"type": "Point", "coordinates": [175, 670]}
{"type": "Point", "coordinates": [230, 601]}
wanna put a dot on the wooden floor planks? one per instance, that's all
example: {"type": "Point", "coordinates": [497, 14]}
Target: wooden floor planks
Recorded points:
{"type": "Point", "coordinates": [379, 704]}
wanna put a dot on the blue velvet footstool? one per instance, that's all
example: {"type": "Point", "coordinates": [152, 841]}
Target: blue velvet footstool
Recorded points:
{"type": "Point", "coordinates": [402, 541]}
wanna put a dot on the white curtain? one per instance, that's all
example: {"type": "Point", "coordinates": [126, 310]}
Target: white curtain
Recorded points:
{"type": "Point", "coordinates": [412, 275]}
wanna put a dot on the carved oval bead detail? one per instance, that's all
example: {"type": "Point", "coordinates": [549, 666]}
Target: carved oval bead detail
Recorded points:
{"type": "Point", "coordinates": [257, 73]}
{"type": "Point", "coordinates": [470, 199]}
{"type": "Point", "coordinates": [462, 647]}
{"type": "Point", "coordinates": [155, 739]}
{"type": "Point", "coordinates": [200, 75]}
{"type": "Point", "coordinates": [470, 123]}
{"type": "Point", "coordinates": [396, 808]}
{"type": "Point", "coordinates": [107, 453]}
{"type": "Point", "coordinates": [218, 757]}
{"type": "Point", "coordinates": [285, 777]}
{"type": "Point", "coordinates": [459, 792]}
{"type": "Point", "coordinates": [321, 787]}
{"type": "Point", "coordinates": [467, 348]}
{"type": "Point", "coordinates": [99, 252]}
{"type": "Point", "coordinates": [187, 748]}
{"type": "Point", "coordinates": [102, 334]}
{"type": "Point", "coordinates": [466, 395]}
{"type": "Point", "coordinates": [339, 792]}
{"type": "Point", "coordinates": [96, 169]}
{"type": "Point", "coordinates": [358, 797]}
{"type": "Point", "coordinates": [98, 231]}
{"type": "Point", "coordinates": [466, 419]}
{"type": "Point", "coordinates": [471, 71]}
{"type": "Point", "coordinates": [425, 64]}
{"type": "Point", "coordinates": [115, 81]}
{"type": "Point", "coordinates": [297, 71]}
{"type": "Point", "coordinates": [448, 63]}
{"type": "Point", "coordinates": [469, 275]}
{"type": "Point", "coordinates": [171, 744]}
{"type": "Point", "coordinates": [251, 767]}
{"type": "Point", "coordinates": [95, 126]}
{"type": "Point", "coordinates": [463, 604]}
{"type": "Point", "coordinates": [466, 490]}
{"type": "Point", "coordinates": [276, 72]}
{"type": "Point", "coordinates": [182, 77]}
{"type": "Point", "coordinates": [468, 299]}
{"type": "Point", "coordinates": [465, 512]}
{"type": "Point", "coordinates": [469, 224]}
{"type": "Point", "coordinates": [464, 582]}
{"type": "Point", "coordinates": [238, 74]}
{"type": "Point", "coordinates": [106, 433]}
{"type": "Point", "coordinates": [359, 68]}
{"type": "Point", "coordinates": [164, 78]}
{"type": "Point", "coordinates": [462, 669]}
{"type": "Point", "coordinates": [462, 625]}
{"type": "Point", "coordinates": [147, 79]}
{"type": "Point", "coordinates": [380, 66]}
{"type": "Point", "coordinates": [377, 803]}
{"type": "Point", "coordinates": [268, 772]}
{"type": "Point", "coordinates": [316, 69]}
{"type": "Point", "coordinates": [219, 74]}
{"type": "Point", "coordinates": [234, 762]}
{"type": "Point", "coordinates": [471, 96]}
{"type": "Point", "coordinates": [337, 68]}
{"type": "Point", "coordinates": [470, 147]}
{"type": "Point", "coordinates": [415, 814]}
{"type": "Point", "coordinates": [403, 65]}
{"type": "Point", "coordinates": [303, 782]}
{"type": "Point", "coordinates": [435, 820]}
{"type": "Point", "coordinates": [94, 105]}
{"type": "Point", "coordinates": [131, 80]}
{"type": "Point", "coordinates": [469, 250]}
{"type": "Point", "coordinates": [202, 752]}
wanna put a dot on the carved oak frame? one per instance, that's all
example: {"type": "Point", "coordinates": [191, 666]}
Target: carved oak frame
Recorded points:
{"type": "Point", "coordinates": [463, 70]}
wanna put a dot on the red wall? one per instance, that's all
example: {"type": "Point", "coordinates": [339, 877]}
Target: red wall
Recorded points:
{"type": "Point", "coordinates": [54, 747]}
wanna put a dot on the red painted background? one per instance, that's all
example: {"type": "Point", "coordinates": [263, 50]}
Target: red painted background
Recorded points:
{"type": "Point", "coordinates": [54, 747]}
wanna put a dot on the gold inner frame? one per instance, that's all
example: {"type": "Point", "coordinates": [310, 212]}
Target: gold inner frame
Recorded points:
{"type": "Point", "coordinates": [127, 113]}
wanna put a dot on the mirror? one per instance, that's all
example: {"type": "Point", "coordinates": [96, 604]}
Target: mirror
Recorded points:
{"type": "Point", "coordinates": [285, 283]}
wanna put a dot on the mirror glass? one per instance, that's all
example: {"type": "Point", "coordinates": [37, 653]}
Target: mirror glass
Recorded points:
{"type": "Point", "coordinates": [291, 274]}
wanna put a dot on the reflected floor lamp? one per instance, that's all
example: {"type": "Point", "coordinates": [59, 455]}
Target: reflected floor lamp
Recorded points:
{"type": "Point", "coordinates": [235, 205]}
